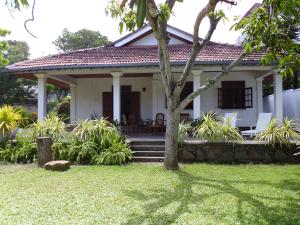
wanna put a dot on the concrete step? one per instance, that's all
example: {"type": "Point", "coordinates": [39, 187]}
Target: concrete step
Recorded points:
{"type": "Point", "coordinates": [147, 159]}
{"type": "Point", "coordinates": [149, 153]}
{"type": "Point", "coordinates": [148, 147]}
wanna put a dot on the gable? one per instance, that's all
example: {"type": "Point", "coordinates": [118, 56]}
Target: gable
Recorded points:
{"type": "Point", "coordinates": [145, 36]}
{"type": "Point", "coordinates": [151, 40]}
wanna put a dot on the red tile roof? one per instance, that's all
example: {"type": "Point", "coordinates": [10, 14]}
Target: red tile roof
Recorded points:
{"type": "Point", "coordinates": [213, 53]}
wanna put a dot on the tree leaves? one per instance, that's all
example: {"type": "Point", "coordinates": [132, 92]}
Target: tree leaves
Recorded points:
{"type": "Point", "coordinates": [84, 38]}
{"type": "Point", "coordinates": [141, 12]}
{"type": "Point", "coordinates": [274, 27]}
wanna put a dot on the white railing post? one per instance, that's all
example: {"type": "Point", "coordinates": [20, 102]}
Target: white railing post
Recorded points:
{"type": "Point", "coordinates": [197, 100]}
{"type": "Point", "coordinates": [278, 96]}
{"type": "Point", "coordinates": [42, 98]}
{"type": "Point", "coordinates": [117, 95]}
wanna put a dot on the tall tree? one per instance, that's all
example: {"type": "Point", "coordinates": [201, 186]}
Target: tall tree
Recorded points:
{"type": "Point", "coordinates": [133, 13]}
{"type": "Point", "coordinates": [12, 88]}
{"type": "Point", "coordinates": [11, 4]}
{"type": "Point", "coordinates": [84, 38]}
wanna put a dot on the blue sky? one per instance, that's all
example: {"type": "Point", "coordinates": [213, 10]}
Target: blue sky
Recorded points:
{"type": "Point", "coordinates": [52, 16]}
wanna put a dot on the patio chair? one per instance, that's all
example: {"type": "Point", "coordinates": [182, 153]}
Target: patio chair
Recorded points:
{"type": "Point", "coordinates": [159, 123]}
{"type": "Point", "coordinates": [231, 117]}
{"type": "Point", "coordinates": [262, 124]}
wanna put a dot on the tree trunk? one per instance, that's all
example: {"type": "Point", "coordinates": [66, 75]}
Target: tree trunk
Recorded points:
{"type": "Point", "coordinates": [171, 141]}
{"type": "Point", "coordinates": [44, 150]}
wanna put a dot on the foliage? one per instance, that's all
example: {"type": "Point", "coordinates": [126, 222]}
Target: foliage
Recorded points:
{"type": "Point", "coordinates": [99, 142]}
{"type": "Point", "coordinates": [116, 154]}
{"type": "Point", "coordinates": [214, 128]}
{"type": "Point", "coordinates": [84, 38]}
{"type": "Point", "coordinates": [26, 117]}
{"type": "Point", "coordinates": [24, 151]}
{"type": "Point", "coordinates": [14, 89]}
{"type": "Point", "coordinates": [274, 27]}
{"type": "Point", "coordinates": [279, 134]}
{"type": "Point", "coordinates": [183, 131]}
{"type": "Point", "coordinates": [12, 4]}
{"type": "Point", "coordinates": [10, 118]}
{"type": "Point", "coordinates": [52, 126]}
{"type": "Point", "coordinates": [63, 110]}
{"type": "Point", "coordinates": [3, 47]}
{"type": "Point", "coordinates": [90, 142]}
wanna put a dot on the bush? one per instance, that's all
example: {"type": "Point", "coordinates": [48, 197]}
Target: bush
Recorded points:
{"type": "Point", "coordinates": [279, 134]}
{"type": "Point", "coordinates": [52, 126]}
{"type": "Point", "coordinates": [9, 119]}
{"type": "Point", "coordinates": [116, 154]}
{"type": "Point", "coordinates": [183, 131]}
{"type": "Point", "coordinates": [24, 151]}
{"type": "Point", "coordinates": [26, 117]}
{"type": "Point", "coordinates": [90, 142]}
{"type": "Point", "coordinates": [214, 128]}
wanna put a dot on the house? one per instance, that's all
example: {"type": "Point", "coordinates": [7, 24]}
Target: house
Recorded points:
{"type": "Point", "coordinates": [123, 78]}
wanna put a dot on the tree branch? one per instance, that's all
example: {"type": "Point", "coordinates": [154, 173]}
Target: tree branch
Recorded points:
{"type": "Point", "coordinates": [211, 82]}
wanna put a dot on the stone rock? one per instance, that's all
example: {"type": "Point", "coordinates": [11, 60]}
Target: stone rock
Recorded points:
{"type": "Point", "coordinates": [280, 155]}
{"type": "Point", "coordinates": [59, 165]}
{"type": "Point", "coordinates": [227, 156]}
{"type": "Point", "coordinates": [200, 156]}
{"type": "Point", "coordinates": [187, 156]}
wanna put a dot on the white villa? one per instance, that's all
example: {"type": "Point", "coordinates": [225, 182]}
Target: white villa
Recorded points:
{"type": "Point", "coordinates": [123, 79]}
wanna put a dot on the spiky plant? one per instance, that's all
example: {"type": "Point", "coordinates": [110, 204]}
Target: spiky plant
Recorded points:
{"type": "Point", "coordinates": [9, 119]}
{"type": "Point", "coordinates": [51, 126]}
{"type": "Point", "coordinates": [215, 128]}
{"type": "Point", "coordinates": [229, 132]}
{"type": "Point", "coordinates": [183, 131]}
{"type": "Point", "coordinates": [279, 134]}
{"type": "Point", "coordinates": [209, 129]}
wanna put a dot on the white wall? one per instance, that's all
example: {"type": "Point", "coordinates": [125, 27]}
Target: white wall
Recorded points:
{"type": "Point", "coordinates": [151, 40]}
{"type": "Point", "coordinates": [291, 104]}
{"type": "Point", "coordinates": [209, 98]}
{"type": "Point", "coordinates": [89, 95]}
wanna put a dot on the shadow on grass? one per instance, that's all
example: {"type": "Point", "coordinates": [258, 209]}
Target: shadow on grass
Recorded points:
{"type": "Point", "coordinates": [180, 199]}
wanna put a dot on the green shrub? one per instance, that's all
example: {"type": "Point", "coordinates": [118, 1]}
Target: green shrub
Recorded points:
{"type": "Point", "coordinates": [183, 131]}
{"type": "Point", "coordinates": [52, 126]}
{"type": "Point", "coordinates": [116, 154]}
{"type": "Point", "coordinates": [91, 138]}
{"type": "Point", "coordinates": [213, 129]}
{"type": "Point", "coordinates": [9, 119]}
{"type": "Point", "coordinates": [24, 151]}
{"type": "Point", "coordinates": [90, 142]}
{"type": "Point", "coordinates": [279, 134]}
{"type": "Point", "coordinates": [26, 117]}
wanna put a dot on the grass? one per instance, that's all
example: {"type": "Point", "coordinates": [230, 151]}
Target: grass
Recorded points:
{"type": "Point", "coordinates": [147, 194]}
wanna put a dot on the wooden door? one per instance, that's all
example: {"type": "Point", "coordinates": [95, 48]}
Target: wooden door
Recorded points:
{"type": "Point", "coordinates": [135, 104]}
{"type": "Point", "coordinates": [107, 105]}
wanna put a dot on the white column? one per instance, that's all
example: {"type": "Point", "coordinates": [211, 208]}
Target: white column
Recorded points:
{"type": "Point", "coordinates": [73, 103]}
{"type": "Point", "coordinates": [154, 97]}
{"type": "Point", "coordinates": [117, 95]}
{"type": "Point", "coordinates": [197, 100]}
{"type": "Point", "coordinates": [278, 96]}
{"type": "Point", "coordinates": [42, 98]}
{"type": "Point", "coordinates": [259, 95]}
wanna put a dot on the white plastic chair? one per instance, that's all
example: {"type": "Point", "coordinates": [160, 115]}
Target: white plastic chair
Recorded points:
{"type": "Point", "coordinates": [231, 117]}
{"type": "Point", "coordinates": [262, 124]}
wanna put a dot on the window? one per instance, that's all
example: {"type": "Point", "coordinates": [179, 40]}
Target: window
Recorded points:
{"type": "Point", "coordinates": [234, 95]}
{"type": "Point", "coordinates": [187, 90]}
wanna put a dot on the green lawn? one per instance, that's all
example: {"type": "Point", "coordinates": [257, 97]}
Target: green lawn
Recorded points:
{"type": "Point", "coordinates": [147, 194]}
